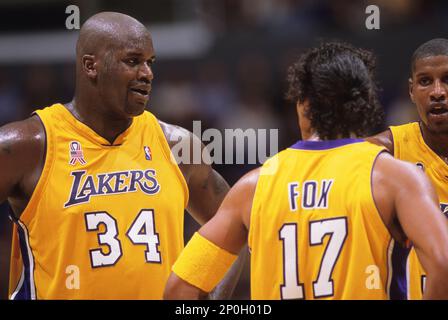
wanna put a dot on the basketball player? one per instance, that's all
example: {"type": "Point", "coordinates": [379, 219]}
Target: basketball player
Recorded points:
{"type": "Point", "coordinates": [97, 201]}
{"type": "Point", "coordinates": [322, 218]}
{"type": "Point", "coordinates": [424, 143]}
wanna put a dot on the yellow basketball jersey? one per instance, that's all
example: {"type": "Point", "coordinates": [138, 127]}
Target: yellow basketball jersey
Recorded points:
{"type": "Point", "coordinates": [410, 146]}
{"type": "Point", "coordinates": [105, 221]}
{"type": "Point", "coordinates": [315, 232]}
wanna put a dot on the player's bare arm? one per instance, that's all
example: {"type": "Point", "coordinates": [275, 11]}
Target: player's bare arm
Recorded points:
{"type": "Point", "coordinates": [408, 205]}
{"type": "Point", "coordinates": [384, 139]}
{"type": "Point", "coordinates": [228, 229]}
{"type": "Point", "coordinates": [22, 152]}
{"type": "Point", "coordinates": [207, 189]}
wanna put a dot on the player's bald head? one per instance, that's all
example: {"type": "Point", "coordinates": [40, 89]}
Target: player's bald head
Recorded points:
{"type": "Point", "coordinates": [107, 30]}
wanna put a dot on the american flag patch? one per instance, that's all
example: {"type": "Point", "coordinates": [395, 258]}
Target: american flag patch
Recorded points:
{"type": "Point", "coordinates": [76, 154]}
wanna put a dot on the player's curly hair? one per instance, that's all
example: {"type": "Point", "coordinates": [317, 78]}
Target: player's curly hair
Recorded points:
{"type": "Point", "coordinates": [338, 81]}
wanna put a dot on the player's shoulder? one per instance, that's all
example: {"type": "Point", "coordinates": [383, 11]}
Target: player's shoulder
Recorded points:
{"type": "Point", "coordinates": [384, 139]}
{"type": "Point", "coordinates": [244, 189]}
{"type": "Point", "coordinates": [22, 149]}
{"type": "Point", "coordinates": [242, 195]}
{"type": "Point", "coordinates": [25, 135]}
{"type": "Point", "coordinates": [392, 171]}
{"type": "Point", "coordinates": [250, 179]}
{"type": "Point", "coordinates": [174, 133]}
{"type": "Point", "coordinates": [189, 144]}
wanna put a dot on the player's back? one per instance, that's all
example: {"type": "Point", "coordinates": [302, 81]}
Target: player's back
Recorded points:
{"type": "Point", "coordinates": [315, 231]}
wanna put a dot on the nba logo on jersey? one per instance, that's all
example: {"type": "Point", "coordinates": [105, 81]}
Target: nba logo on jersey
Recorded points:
{"type": "Point", "coordinates": [76, 154]}
{"type": "Point", "coordinates": [147, 152]}
{"type": "Point", "coordinates": [420, 165]}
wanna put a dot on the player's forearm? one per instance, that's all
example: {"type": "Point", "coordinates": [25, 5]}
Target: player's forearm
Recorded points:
{"type": "Point", "coordinates": [436, 290]}
{"type": "Point", "coordinates": [178, 289]}
{"type": "Point", "coordinates": [437, 283]}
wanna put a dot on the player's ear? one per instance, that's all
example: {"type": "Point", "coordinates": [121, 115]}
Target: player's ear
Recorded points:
{"type": "Point", "coordinates": [411, 89]}
{"type": "Point", "coordinates": [89, 65]}
{"type": "Point", "coordinates": [302, 107]}
{"type": "Point", "coordinates": [302, 115]}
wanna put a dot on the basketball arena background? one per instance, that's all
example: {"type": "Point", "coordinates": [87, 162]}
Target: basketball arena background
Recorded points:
{"type": "Point", "coordinates": [222, 62]}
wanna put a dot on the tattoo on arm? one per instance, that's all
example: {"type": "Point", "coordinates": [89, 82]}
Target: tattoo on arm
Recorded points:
{"type": "Point", "coordinates": [206, 195]}
{"type": "Point", "coordinates": [6, 149]}
{"type": "Point", "coordinates": [216, 182]}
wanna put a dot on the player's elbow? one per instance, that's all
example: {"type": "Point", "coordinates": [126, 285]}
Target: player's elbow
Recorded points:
{"type": "Point", "coordinates": [440, 258]}
{"type": "Point", "coordinates": [178, 289]}
{"type": "Point", "coordinates": [171, 292]}
{"type": "Point", "coordinates": [438, 271]}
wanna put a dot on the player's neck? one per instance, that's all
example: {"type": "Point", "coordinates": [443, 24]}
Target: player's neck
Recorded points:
{"type": "Point", "coordinates": [436, 141]}
{"type": "Point", "coordinates": [107, 127]}
{"type": "Point", "coordinates": [310, 136]}
{"type": "Point", "coordinates": [306, 130]}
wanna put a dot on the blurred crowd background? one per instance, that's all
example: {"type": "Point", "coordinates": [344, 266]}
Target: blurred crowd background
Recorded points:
{"type": "Point", "coordinates": [223, 62]}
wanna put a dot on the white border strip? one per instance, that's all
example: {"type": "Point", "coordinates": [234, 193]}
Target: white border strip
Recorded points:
{"type": "Point", "coordinates": [19, 285]}
{"type": "Point", "coordinates": [31, 261]}
{"type": "Point", "coordinates": [390, 249]}
{"type": "Point", "coordinates": [408, 277]}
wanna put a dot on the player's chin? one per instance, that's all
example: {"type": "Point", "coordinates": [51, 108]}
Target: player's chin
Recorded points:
{"type": "Point", "coordinates": [136, 108]}
{"type": "Point", "coordinates": [438, 127]}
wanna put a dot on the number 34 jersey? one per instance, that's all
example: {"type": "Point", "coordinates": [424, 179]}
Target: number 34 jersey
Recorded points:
{"type": "Point", "coordinates": [105, 220]}
{"type": "Point", "coordinates": [315, 232]}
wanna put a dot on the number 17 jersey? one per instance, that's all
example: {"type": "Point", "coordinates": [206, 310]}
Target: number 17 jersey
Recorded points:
{"type": "Point", "coordinates": [315, 232]}
{"type": "Point", "coordinates": [105, 220]}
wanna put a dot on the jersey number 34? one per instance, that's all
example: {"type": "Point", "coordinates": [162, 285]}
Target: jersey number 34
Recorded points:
{"type": "Point", "coordinates": [141, 232]}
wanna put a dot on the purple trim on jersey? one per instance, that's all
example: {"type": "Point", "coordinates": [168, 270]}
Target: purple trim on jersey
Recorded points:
{"type": "Point", "coordinates": [24, 292]}
{"type": "Point", "coordinates": [398, 283]}
{"type": "Point", "coordinates": [323, 145]}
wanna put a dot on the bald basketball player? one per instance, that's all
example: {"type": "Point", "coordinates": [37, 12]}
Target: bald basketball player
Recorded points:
{"type": "Point", "coordinates": [97, 202]}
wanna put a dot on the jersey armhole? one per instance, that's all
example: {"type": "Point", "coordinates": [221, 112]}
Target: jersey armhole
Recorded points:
{"type": "Point", "coordinates": [255, 209]}
{"type": "Point", "coordinates": [163, 143]}
{"type": "Point", "coordinates": [377, 211]}
{"type": "Point", "coordinates": [26, 216]}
